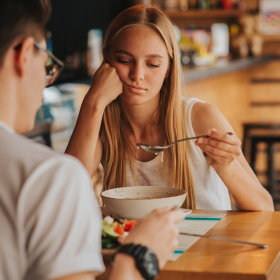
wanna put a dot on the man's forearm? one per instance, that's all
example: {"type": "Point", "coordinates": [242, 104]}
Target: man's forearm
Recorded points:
{"type": "Point", "coordinates": [124, 268]}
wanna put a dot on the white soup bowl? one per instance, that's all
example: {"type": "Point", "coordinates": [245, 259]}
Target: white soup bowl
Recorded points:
{"type": "Point", "coordinates": [137, 202]}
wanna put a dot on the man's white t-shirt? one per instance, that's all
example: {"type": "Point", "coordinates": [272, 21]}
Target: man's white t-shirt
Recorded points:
{"type": "Point", "coordinates": [50, 225]}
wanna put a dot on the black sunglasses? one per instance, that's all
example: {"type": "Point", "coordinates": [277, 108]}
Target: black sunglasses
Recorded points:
{"type": "Point", "coordinates": [53, 65]}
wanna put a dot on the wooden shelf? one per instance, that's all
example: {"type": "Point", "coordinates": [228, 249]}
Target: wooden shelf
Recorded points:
{"type": "Point", "coordinates": [271, 38]}
{"type": "Point", "coordinates": [204, 14]}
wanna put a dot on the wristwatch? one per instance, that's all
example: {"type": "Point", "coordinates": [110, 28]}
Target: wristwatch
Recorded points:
{"type": "Point", "coordinates": [145, 259]}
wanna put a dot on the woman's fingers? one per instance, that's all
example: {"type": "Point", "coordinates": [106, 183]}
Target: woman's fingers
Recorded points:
{"type": "Point", "coordinates": [106, 84]}
{"type": "Point", "coordinates": [212, 158]}
{"type": "Point", "coordinates": [202, 142]}
{"type": "Point", "coordinates": [221, 140]}
{"type": "Point", "coordinates": [219, 153]}
{"type": "Point", "coordinates": [218, 147]}
{"type": "Point", "coordinates": [223, 136]}
{"type": "Point", "coordinates": [221, 148]}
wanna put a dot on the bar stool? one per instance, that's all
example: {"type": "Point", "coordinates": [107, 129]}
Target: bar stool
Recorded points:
{"type": "Point", "coordinates": [269, 133]}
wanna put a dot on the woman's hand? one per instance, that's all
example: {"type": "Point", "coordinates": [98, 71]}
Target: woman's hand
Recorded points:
{"type": "Point", "coordinates": [221, 148]}
{"type": "Point", "coordinates": [106, 86]}
{"type": "Point", "coordinates": [158, 232]}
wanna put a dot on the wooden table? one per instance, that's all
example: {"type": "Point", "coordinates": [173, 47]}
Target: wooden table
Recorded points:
{"type": "Point", "coordinates": [214, 260]}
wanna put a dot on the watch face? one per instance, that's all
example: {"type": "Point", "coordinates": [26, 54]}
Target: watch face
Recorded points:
{"type": "Point", "coordinates": [150, 263]}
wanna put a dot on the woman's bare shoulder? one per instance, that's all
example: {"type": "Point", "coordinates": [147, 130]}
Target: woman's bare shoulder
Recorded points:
{"type": "Point", "coordinates": [206, 116]}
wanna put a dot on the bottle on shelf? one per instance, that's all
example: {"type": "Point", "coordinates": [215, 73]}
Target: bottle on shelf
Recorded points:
{"type": "Point", "coordinates": [170, 5]}
{"type": "Point", "coordinates": [227, 4]}
{"type": "Point", "coordinates": [94, 50]}
{"type": "Point", "coordinates": [220, 39]}
{"type": "Point", "coordinates": [203, 4]}
{"type": "Point", "coordinates": [192, 4]}
{"type": "Point", "coordinates": [214, 4]}
{"type": "Point", "coordinates": [184, 5]}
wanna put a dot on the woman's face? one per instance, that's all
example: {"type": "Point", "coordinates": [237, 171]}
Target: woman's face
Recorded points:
{"type": "Point", "coordinates": [141, 60]}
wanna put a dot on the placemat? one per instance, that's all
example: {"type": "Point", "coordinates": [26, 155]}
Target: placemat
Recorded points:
{"type": "Point", "coordinates": [194, 223]}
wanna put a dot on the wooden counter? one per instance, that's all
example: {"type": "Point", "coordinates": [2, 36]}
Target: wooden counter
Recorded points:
{"type": "Point", "coordinates": [218, 260]}
{"type": "Point", "coordinates": [249, 95]}
{"type": "Point", "coordinates": [221, 67]}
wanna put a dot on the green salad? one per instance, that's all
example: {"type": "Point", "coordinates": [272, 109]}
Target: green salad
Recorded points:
{"type": "Point", "coordinates": [114, 232]}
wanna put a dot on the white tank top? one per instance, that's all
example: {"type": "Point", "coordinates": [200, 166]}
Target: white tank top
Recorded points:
{"type": "Point", "coordinates": [210, 191]}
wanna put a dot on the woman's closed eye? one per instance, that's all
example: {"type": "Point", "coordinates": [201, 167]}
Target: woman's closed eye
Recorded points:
{"type": "Point", "coordinates": [123, 61]}
{"type": "Point", "coordinates": [153, 65]}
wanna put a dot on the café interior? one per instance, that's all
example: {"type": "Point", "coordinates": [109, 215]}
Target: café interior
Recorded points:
{"type": "Point", "coordinates": [230, 54]}
{"type": "Point", "coordinates": [230, 58]}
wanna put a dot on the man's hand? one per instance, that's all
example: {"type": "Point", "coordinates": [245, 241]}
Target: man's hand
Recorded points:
{"type": "Point", "coordinates": [158, 232]}
{"type": "Point", "coordinates": [78, 276]}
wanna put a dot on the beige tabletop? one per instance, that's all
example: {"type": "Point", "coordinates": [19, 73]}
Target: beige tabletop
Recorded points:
{"type": "Point", "coordinates": [211, 259]}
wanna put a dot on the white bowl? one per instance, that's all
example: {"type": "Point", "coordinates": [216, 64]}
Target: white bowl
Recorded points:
{"type": "Point", "coordinates": [137, 202]}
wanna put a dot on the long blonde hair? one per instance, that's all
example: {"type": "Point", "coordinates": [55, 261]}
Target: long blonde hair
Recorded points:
{"type": "Point", "coordinates": [115, 131]}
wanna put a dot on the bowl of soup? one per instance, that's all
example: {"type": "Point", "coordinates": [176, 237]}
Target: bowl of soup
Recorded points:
{"type": "Point", "coordinates": [137, 202]}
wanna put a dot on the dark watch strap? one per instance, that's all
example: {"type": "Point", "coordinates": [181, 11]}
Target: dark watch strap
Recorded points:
{"type": "Point", "coordinates": [139, 253]}
{"type": "Point", "coordinates": [129, 249]}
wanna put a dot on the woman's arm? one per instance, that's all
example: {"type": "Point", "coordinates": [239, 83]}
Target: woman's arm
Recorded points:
{"type": "Point", "coordinates": [225, 155]}
{"type": "Point", "coordinates": [85, 143]}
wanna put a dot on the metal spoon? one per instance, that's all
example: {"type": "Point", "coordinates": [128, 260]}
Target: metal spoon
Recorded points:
{"type": "Point", "coordinates": [264, 246]}
{"type": "Point", "coordinates": [157, 149]}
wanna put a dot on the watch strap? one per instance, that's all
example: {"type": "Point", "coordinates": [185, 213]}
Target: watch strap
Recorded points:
{"type": "Point", "coordinates": [137, 252]}
{"type": "Point", "coordinates": [130, 249]}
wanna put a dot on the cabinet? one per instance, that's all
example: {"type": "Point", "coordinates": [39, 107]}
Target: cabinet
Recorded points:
{"type": "Point", "coordinates": [250, 95]}
{"type": "Point", "coordinates": [264, 92]}
{"type": "Point", "coordinates": [206, 17]}
{"type": "Point", "coordinates": [228, 92]}
{"type": "Point", "coordinates": [203, 18]}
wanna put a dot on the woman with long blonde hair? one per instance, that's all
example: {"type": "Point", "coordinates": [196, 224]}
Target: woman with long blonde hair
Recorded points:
{"type": "Point", "coordinates": [136, 97]}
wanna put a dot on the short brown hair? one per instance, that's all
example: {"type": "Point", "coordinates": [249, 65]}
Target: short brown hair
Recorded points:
{"type": "Point", "coordinates": [22, 18]}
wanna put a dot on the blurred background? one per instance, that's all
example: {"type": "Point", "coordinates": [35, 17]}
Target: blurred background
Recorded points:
{"type": "Point", "coordinates": [206, 30]}
{"type": "Point", "coordinates": [229, 52]}
{"type": "Point", "coordinates": [69, 29]}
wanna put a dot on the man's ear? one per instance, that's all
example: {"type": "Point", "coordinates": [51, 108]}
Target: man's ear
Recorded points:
{"type": "Point", "coordinates": [23, 55]}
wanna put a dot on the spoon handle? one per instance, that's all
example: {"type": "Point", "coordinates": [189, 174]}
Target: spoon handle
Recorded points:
{"type": "Point", "coordinates": [197, 137]}
{"type": "Point", "coordinates": [226, 239]}
{"type": "Point", "coordinates": [192, 138]}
